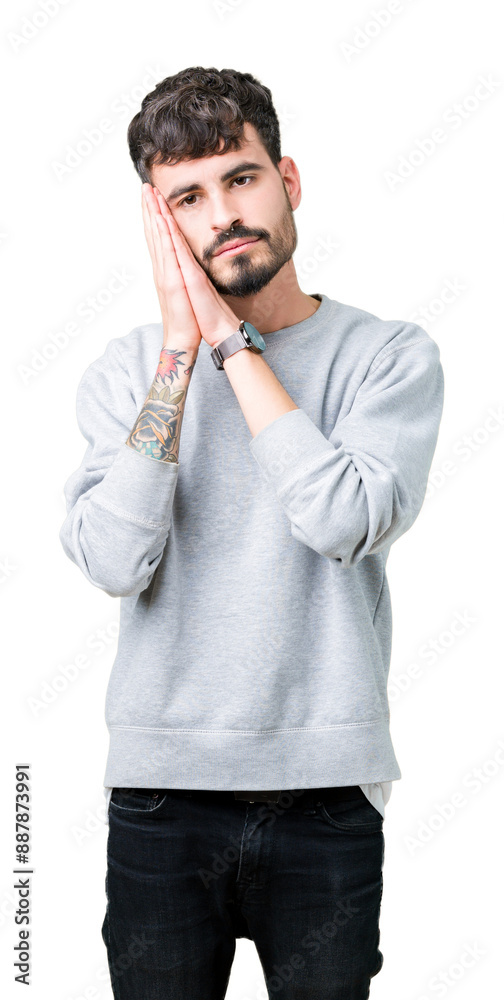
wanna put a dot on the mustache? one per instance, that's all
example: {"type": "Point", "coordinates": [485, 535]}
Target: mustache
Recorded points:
{"type": "Point", "coordinates": [239, 233]}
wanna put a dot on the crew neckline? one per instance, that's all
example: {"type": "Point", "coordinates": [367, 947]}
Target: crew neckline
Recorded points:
{"type": "Point", "coordinates": [305, 325]}
{"type": "Point", "coordinates": [308, 325]}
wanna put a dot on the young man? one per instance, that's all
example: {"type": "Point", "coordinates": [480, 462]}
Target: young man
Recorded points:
{"type": "Point", "coordinates": [241, 488]}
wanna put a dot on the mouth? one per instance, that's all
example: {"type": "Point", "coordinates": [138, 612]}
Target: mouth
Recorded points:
{"type": "Point", "coordinates": [238, 246]}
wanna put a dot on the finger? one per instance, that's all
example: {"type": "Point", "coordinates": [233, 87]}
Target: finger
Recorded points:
{"type": "Point", "coordinates": [168, 216]}
{"type": "Point", "coordinates": [169, 280]}
{"type": "Point", "coordinates": [163, 206]}
{"type": "Point", "coordinates": [177, 240]}
{"type": "Point", "coordinates": [164, 218]}
{"type": "Point", "coordinates": [172, 273]}
{"type": "Point", "coordinates": [187, 261]}
{"type": "Point", "coordinates": [154, 215]}
{"type": "Point", "coordinates": [148, 227]}
{"type": "Point", "coordinates": [189, 270]}
{"type": "Point", "coordinates": [151, 230]}
{"type": "Point", "coordinates": [174, 283]}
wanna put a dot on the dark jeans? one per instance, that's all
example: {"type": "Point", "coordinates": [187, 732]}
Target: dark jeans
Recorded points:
{"type": "Point", "coordinates": [189, 872]}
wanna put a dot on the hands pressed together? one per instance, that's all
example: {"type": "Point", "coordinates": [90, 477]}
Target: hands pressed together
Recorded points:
{"type": "Point", "coordinates": [191, 308]}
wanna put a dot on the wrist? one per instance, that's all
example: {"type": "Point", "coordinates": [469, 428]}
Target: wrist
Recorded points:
{"type": "Point", "coordinates": [171, 344]}
{"type": "Point", "coordinates": [224, 333]}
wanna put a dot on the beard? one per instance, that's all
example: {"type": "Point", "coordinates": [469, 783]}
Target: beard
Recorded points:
{"type": "Point", "coordinates": [246, 277]}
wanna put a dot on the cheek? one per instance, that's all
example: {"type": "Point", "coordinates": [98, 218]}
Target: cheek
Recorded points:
{"type": "Point", "coordinates": [259, 211]}
{"type": "Point", "coordinates": [265, 212]}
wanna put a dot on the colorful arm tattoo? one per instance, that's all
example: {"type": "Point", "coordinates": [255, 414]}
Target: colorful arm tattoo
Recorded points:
{"type": "Point", "coordinates": [156, 432]}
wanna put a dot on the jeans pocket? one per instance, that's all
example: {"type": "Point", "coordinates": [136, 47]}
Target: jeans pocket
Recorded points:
{"type": "Point", "coordinates": [137, 800]}
{"type": "Point", "coordinates": [356, 815]}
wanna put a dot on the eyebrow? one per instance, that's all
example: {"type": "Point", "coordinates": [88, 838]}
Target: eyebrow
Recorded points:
{"type": "Point", "coordinates": [238, 169]}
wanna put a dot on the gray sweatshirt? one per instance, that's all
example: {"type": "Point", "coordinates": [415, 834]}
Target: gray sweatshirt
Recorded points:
{"type": "Point", "coordinates": [255, 613]}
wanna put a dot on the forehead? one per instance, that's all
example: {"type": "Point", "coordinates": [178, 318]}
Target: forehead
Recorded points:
{"type": "Point", "coordinates": [208, 168]}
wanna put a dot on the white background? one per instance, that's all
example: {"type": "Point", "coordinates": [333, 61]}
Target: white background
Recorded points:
{"type": "Point", "coordinates": [346, 119]}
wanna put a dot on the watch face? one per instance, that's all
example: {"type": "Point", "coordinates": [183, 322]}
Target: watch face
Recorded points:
{"type": "Point", "coordinates": [255, 336]}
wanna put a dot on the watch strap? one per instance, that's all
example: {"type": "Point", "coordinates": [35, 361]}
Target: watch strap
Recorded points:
{"type": "Point", "coordinates": [229, 346]}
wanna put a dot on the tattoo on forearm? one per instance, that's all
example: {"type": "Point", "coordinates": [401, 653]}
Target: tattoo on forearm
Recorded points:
{"type": "Point", "coordinates": [156, 432]}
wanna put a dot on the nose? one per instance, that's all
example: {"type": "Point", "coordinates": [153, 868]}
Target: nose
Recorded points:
{"type": "Point", "coordinates": [226, 230]}
{"type": "Point", "coordinates": [222, 216]}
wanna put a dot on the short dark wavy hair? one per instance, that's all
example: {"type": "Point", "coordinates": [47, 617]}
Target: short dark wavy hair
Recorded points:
{"type": "Point", "coordinates": [190, 114]}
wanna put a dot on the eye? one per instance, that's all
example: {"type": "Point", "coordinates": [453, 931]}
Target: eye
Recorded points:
{"type": "Point", "coordinates": [242, 177]}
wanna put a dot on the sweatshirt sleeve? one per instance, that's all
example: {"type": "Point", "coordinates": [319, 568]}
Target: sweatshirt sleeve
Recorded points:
{"type": "Point", "coordinates": [356, 492]}
{"type": "Point", "coordinates": [119, 502]}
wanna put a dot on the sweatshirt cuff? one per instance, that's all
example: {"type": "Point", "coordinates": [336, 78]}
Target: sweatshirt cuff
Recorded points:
{"type": "Point", "coordinates": [286, 448]}
{"type": "Point", "coordinates": [138, 487]}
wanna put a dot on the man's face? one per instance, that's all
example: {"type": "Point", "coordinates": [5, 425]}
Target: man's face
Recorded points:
{"type": "Point", "coordinates": [254, 200]}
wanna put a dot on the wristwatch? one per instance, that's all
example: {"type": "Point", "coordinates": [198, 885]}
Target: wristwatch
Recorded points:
{"type": "Point", "coordinates": [245, 336]}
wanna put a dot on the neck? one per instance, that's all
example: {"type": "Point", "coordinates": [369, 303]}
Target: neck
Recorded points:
{"type": "Point", "coordinates": [279, 304]}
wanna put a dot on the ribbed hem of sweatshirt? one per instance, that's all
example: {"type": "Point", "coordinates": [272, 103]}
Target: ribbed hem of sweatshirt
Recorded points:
{"type": "Point", "coordinates": [232, 759]}
{"type": "Point", "coordinates": [139, 488]}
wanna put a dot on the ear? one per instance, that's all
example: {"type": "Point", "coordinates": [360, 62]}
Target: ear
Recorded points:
{"type": "Point", "coordinates": [291, 179]}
